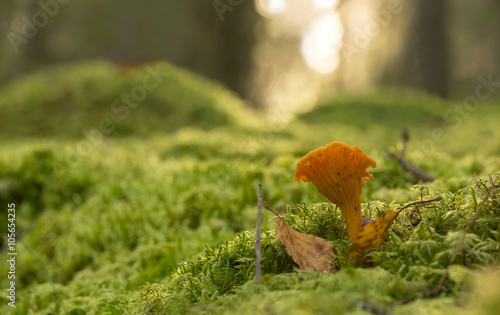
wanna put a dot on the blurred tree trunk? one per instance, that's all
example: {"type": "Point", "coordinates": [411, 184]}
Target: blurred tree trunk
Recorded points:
{"type": "Point", "coordinates": [6, 58]}
{"type": "Point", "coordinates": [34, 52]}
{"type": "Point", "coordinates": [225, 53]}
{"type": "Point", "coordinates": [215, 41]}
{"type": "Point", "coordinates": [431, 46]}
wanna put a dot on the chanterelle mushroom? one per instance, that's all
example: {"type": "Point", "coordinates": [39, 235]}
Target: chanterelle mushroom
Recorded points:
{"type": "Point", "coordinates": [338, 171]}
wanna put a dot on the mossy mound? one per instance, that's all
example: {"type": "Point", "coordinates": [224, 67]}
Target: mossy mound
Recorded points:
{"type": "Point", "coordinates": [390, 107]}
{"type": "Point", "coordinates": [163, 223]}
{"type": "Point", "coordinates": [128, 214]}
{"type": "Point", "coordinates": [409, 264]}
{"type": "Point", "coordinates": [376, 118]}
{"type": "Point", "coordinates": [70, 100]}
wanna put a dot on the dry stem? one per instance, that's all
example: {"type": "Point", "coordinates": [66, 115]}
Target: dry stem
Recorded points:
{"type": "Point", "coordinates": [462, 239]}
{"type": "Point", "coordinates": [257, 237]}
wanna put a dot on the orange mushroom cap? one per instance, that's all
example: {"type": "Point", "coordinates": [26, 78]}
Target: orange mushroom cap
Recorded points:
{"type": "Point", "coordinates": [338, 171]}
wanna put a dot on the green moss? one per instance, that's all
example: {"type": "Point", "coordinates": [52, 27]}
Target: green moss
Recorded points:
{"type": "Point", "coordinates": [162, 222]}
{"type": "Point", "coordinates": [373, 120]}
{"type": "Point", "coordinates": [411, 260]}
{"type": "Point", "coordinates": [393, 108]}
{"type": "Point", "coordinates": [73, 100]}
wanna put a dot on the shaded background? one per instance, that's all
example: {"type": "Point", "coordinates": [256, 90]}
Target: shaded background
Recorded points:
{"type": "Point", "coordinates": [271, 52]}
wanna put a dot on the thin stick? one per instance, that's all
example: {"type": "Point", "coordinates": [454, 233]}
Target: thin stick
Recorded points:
{"type": "Point", "coordinates": [462, 239]}
{"type": "Point", "coordinates": [429, 294]}
{"type": "Point", "coordinates": [46, 274]}
{"type": "Point", "coordinates": [405, 135]}
{"type": "Point", "coordinates": [418, 172]}
{"type": "Point", "coordinates": [276, 213]}
{"type": "Point", "coordinates": [257, 237]}
{"type": "Point", "coordinates": [374, 309]}
{"type": "Point", "coordinates": [421, 201]}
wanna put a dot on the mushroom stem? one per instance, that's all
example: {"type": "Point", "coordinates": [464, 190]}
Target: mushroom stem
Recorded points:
{"type": "Point", "coordinates": [353, 223]}
{"type": "Point", "coordinates": [351, 210]}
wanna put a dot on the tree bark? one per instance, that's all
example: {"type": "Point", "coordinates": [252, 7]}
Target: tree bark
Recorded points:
{"type": "Point", "coordinates": [431, 46]}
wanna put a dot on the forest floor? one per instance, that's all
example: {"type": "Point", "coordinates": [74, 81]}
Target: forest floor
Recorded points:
{"type": "Point", "coordinates": [161, 220]}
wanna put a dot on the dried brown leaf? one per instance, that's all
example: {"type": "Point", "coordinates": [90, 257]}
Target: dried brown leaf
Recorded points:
{"type": "Point", "coordinates": [308, 251]}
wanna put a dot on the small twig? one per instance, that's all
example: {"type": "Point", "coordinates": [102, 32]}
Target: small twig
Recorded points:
{"type": "Point", "coordinates": [258, 258]}
{"type": "Point", "coordinates": [276, 213]}
{"type": "Point", "coordinates": [462, 239]}
{"type": "Point", "coordinates": [406, 136]}
{"type": "Point", "coordinates": [484, 185]}
{"type": "Point", "coordinates": [429, 294]}
{"type": "Point", "coordinates": [367, 306]}
{"type": "Point", "coordinates": [420, 202]}
{"type": "Point", "coordinates": [49, 279]}
{"type": "Point", "coordinates": [418, 172]}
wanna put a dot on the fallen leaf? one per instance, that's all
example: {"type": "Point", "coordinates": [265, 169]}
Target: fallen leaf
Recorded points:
{"type": "Point", "coordinates": [373, 233]}
{"type": "Point", "coordinates": [308, 251]}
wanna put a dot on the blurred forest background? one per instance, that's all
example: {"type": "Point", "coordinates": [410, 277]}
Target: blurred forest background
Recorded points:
{"type": "Point", "coordinates": [273, 53]}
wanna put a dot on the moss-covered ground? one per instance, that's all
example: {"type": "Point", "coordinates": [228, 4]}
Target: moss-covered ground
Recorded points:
{"type": "Point", "coordinates": [159, 216]}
